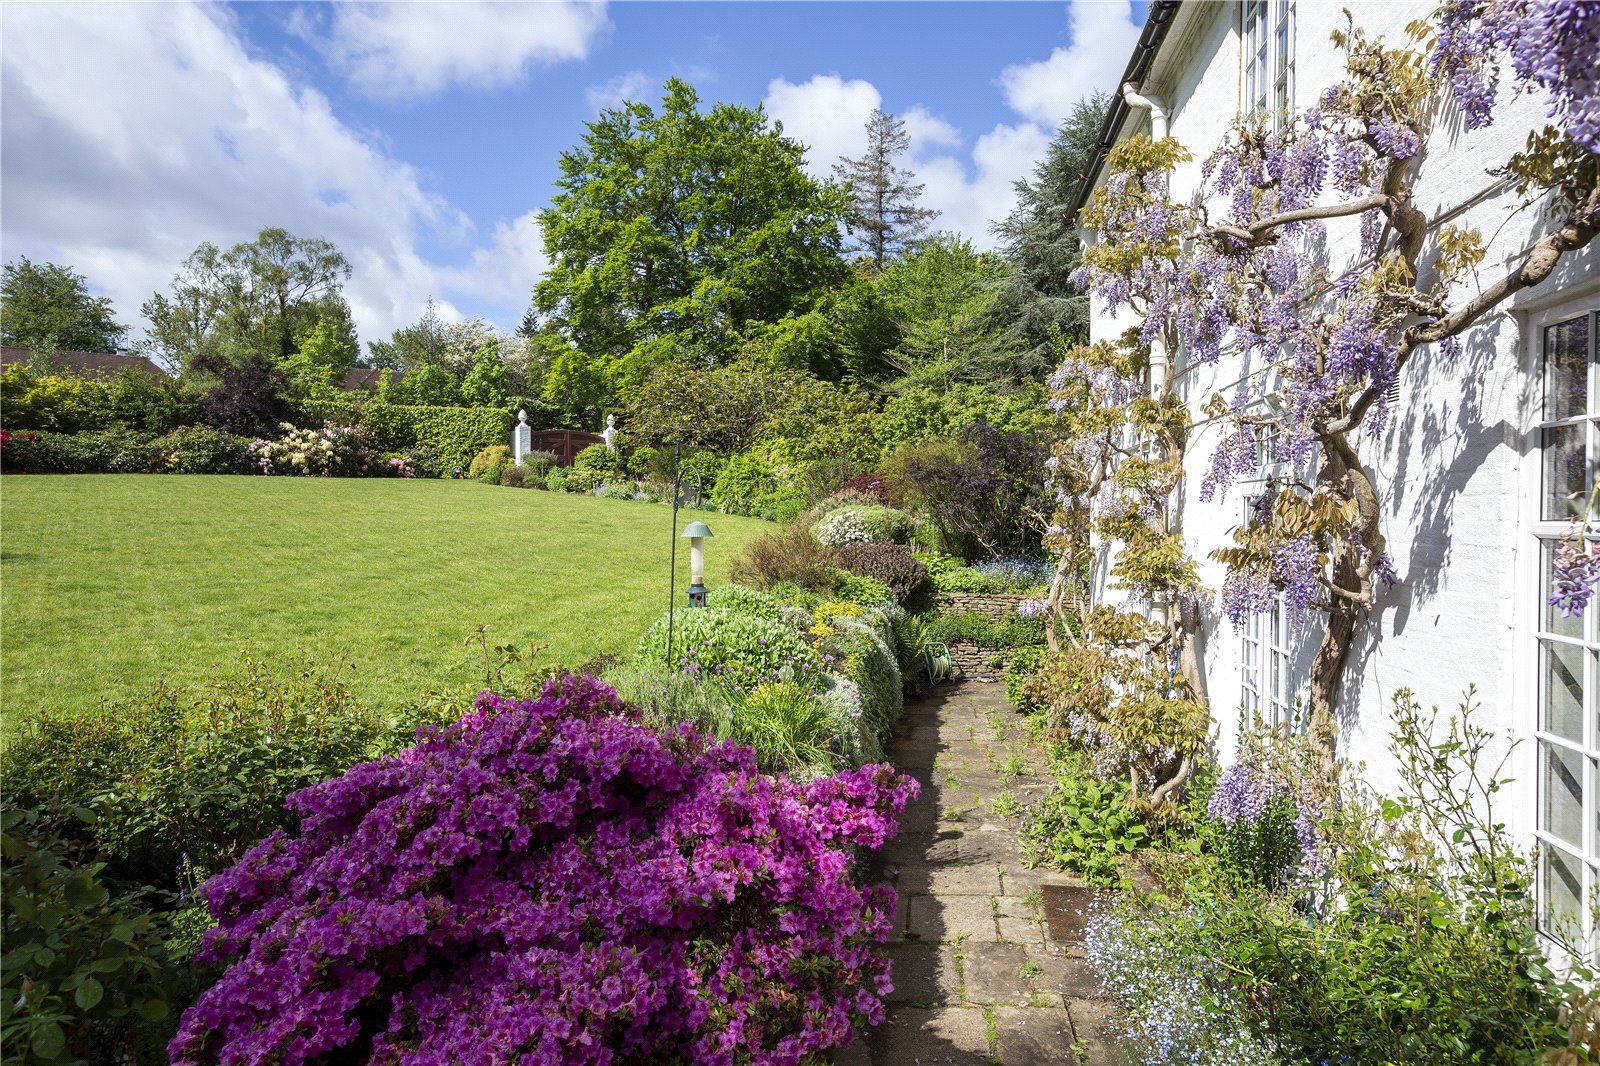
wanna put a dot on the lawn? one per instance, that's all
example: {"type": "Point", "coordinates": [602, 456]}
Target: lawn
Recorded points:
{"type": "Point", "coordinates": [109, 582]}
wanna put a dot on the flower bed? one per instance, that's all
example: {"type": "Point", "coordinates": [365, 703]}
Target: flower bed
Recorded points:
{"type": "Point", "coordinates": [553, 881]}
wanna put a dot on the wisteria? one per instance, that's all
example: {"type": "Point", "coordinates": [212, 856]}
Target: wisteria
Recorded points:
{"type": "Point", "coordinates": [1263, 776]}
{"type": "Point", "coordinates": [553, 881]}
{"type": "Point", "coordinates": [1575, 574]}
{"type": "Point", "coordinates": [1552, 45]}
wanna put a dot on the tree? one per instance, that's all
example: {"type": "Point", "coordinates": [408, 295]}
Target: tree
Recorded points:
{"type": "Point", "coordinates": [256, 298]}
{"type": "Point", "coordinates": [45, 306]}
{"type": "Point", "coordinates": [1339, 337]}
{"type": "Point", "coordinates": [675, 229]}
{"type": "Point", "coordinates": [321, 359]}
{"type": "Point", "coordinates": [941, 300]}
{"type": "Point", "coordinates": [883, 200]}
{"type": "Point", "coordinates": [1037, 301]}
{"type": "Point", "coordinates": [428, 386]}
{"type": "Point", "coordinates": [410, 347]}
{"type": "Point", "coordinates": [849, 333]}
{"type": "Point", "coordinates": [488, 383]}
{"type": "Point", "coordinates": [250, 398]}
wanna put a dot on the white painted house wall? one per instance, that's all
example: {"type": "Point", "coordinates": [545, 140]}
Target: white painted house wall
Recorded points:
{"type": "Point", "coordinates": [1458, 467]}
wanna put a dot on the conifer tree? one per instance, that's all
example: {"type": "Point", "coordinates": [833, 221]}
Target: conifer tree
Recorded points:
{"type": "Point", "coordinates": [883, 212]}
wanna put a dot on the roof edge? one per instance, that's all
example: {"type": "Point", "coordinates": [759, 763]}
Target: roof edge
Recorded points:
{"type": "Point", "coordinates": [1156, 25]}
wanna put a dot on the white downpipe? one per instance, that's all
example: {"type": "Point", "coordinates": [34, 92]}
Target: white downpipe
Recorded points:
{"type": "Point", "coordinates": [1160, 365]}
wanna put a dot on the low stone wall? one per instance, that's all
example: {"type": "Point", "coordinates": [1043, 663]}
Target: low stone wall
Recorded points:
{"type": "Point", "coordinates": [996, 606]}
{"type": "Point", "coordinates": [970, 660]}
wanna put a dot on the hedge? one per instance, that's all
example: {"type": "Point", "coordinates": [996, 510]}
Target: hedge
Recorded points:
{"type": "Point", "coordinates": [454, 434]}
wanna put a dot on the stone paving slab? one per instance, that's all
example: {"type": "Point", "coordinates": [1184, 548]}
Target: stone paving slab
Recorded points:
{"type": "Point", "coordinates": [976, 978]}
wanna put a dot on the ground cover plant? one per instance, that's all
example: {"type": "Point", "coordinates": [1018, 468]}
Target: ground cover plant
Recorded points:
{"type": "Point", "coordinates": [662, 901]}
{"type": "Point", "coordinates": [113, 582]}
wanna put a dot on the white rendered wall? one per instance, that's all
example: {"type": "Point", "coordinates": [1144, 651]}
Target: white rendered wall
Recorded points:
{"type": "Point", "coordinates": [1450, 466]}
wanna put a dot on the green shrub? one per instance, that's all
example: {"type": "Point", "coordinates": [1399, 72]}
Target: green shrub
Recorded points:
{"type": "Point", "coordinates": [884, 524]}
{"type": "Point", "coordinates": [488, 464]}
{"type": "Point", "coordinates": [1083, 825]}
{"type": "Point", "coordinates": [745, 481]}
{"type": "Point", "coordinates": [865, 652]}
{"type": "Point", "coordinates": [790, 728]}
{"type": "Point", "coordinates": [132, 399]}
{"type": "Point", "coordinates": [599, 458]}
{"type": "Point", "coordinates": [744, 600]}
{"type": "Point", "coordinates": [790, 555]}
{"type": "Point", "coordinates": [454, 434]}
{"type": "Point", "coordinates": [669, 697]}
{"type": "Point", "coordinates": [867, 591]}
{"type": "Point", "coordinates": [717, 642]}
{"type": "Point", "coordinates": [88, 976]}
{"type": "Point", "coordinates": [556, 479]}
{"type": "Point", "coordinates": [197, 773]}
{"type": "Point", "coordinates": [199, 450]}
{"type": "Point", "coordinates": [583, 480]}
{"type": "Point", "coordinates": [107, 451]}
{"type": "Point", "coordinates": [537, 466]}
{"type": "Point", "coordinates": [516, 477]}
{"type": "Point", "coordinates": [1024, 663]}
{"type": "Point", "coordinates": [970, 627]}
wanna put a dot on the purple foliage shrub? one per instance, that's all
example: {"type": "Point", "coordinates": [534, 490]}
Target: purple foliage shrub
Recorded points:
{"type": "Point", "coordinates": [894, 565]}
{"type": "Point", "coordinates": [552, 881]}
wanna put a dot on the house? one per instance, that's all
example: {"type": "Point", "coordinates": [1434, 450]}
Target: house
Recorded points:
{"type": "Point", "coordinates": [1477, 474]}
{"type": "Point", "coordinates": [84, 364]}
{"type": "Point", "coordinates": [366, 378]}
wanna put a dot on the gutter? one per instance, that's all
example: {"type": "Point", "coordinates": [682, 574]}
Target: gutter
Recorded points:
{"type": "Point", "coordinates": [1156, 25]}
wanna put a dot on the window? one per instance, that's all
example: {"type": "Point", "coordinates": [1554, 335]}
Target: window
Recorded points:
{"type": "Point", "coordinates": [1264, 651]}
{"type": "Point", "coordinates": [1567, 667]}
{"type": "Point", "coordinates": [1268, 40]}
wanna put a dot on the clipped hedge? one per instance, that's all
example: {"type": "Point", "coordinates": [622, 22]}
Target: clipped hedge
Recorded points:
{"type": "Point", "coordinates": [454, 434]}
{"type": "Point", "coordinates": [866, 653]}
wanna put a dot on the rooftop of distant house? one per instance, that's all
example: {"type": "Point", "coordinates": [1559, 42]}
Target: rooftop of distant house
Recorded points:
{"type": "Point", "coordinates": [83, 364]}
{"type": "Point", "coordinates": [366, 377]}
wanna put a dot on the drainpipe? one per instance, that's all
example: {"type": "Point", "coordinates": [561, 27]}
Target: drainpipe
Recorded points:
{"type": "Point", "coordinates": [1160, 365]}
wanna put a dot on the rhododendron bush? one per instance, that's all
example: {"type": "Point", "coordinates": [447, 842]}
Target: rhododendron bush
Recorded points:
{"type": "Point", "coordinates": [553, 881]}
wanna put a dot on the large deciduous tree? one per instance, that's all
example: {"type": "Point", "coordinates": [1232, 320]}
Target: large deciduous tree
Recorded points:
{"type": "Point", "coordinates": [884, 214]}
{"type": "Point", "coordinates": [257, 298]}
{"type": "Point", "coordinates": [941, 298]}
{"type": "Point", "coordinates": [676, 227]}
{"type": "Point", "coordinates": [44, 306]}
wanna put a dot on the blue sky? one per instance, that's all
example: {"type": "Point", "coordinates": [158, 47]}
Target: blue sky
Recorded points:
{"type": "Point", "coordinates": [423, 138]}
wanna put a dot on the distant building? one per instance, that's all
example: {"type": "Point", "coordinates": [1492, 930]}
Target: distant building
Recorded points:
{"type": "Point", "coordinates": [365, 378]}
{"type": "Point", "coordinates": [84, 364]}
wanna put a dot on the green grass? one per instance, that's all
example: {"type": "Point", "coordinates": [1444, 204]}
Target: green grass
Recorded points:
{"type": "Point", "coordinates": [109, 582]}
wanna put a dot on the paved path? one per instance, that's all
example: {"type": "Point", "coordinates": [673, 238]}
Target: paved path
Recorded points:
{"type": "Point", "coordinates": [976, 980]}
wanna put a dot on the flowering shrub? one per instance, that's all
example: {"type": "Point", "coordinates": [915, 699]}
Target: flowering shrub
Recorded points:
{"type": "Point", "coordinates": [843, 527]}
{"type": "Point", "coordinates": [553, 882]}
{"type": "Point", "coordinates": [1267, 809]}
{"type": "Point", "coordinates": [332, 451]}
{"type": "Point", "coordinates": [198, 450]}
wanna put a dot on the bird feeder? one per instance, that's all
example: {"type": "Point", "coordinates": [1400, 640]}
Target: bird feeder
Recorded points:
{"type": "Point", "coordinates": [696, 533]}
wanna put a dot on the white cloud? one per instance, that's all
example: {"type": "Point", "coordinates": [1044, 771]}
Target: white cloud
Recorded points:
{"type": "Point", "coordinates": [1102, 36]}
{"type": "Point", "coordinates": [504, 271]}
{"type": "Point", "coordinates": [165, 132]}
{"type": "Point", "coordinates": [390, 50]}
{"type": "Point", "coordinates": [926, 130]}
{"type": "Point", "coordinates": [827, 114]}
{"type": "Point", "coordinates": [971, 195]}
{"type": "Point", "coordinates": [624, 88]}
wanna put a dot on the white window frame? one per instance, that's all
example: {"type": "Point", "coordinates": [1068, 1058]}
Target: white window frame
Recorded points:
{"type": "Point", "coordinates": [1266, 655]}
{"type": "Point", "coordinates": [1266, 46]}
{"type": "Point", "coordinates": [1553, 641]}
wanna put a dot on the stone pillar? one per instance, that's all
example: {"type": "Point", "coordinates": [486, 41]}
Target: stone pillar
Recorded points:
{"type": "Point", "coordinates": [609, 434]}
{"type": "Point", "coordinates": [521, 437]}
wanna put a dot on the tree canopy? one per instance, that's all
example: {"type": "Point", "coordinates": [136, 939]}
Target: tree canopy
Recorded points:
{"type": "Point", "coordinates": [44, 306]}
{"type": "Point", "coordinates": [259, 297]}
{"type": "Point", "coordinates": [884, 214]}
{"type": "Point", "coordinates": [676, 227]}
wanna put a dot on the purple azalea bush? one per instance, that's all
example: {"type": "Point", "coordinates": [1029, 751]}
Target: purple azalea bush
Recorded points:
{"type": "Point", "coordinates": [553, 881]}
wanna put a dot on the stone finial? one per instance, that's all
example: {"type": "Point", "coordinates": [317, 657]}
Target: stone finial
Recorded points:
{"type": "Point", "coordinates": [522, 415]}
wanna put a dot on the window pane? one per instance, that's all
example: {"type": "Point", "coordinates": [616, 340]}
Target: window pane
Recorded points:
{"type": "Point", "coordinates": [1553, 621]}
{"type": "Point", "coordinates": [1561, 809]}
{"type": "Point", "coordinates": [1565, 473]}
{"type": "Point", "coordinates": [1566, 369]}
{"type": "Point", "coordinates": [1560, 892]}
{"type": "Point", "coordinates": [1562, 698]}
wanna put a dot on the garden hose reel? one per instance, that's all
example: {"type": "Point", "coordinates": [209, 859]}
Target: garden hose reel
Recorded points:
{"type": "Point", "coordinates": [940, 667]}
